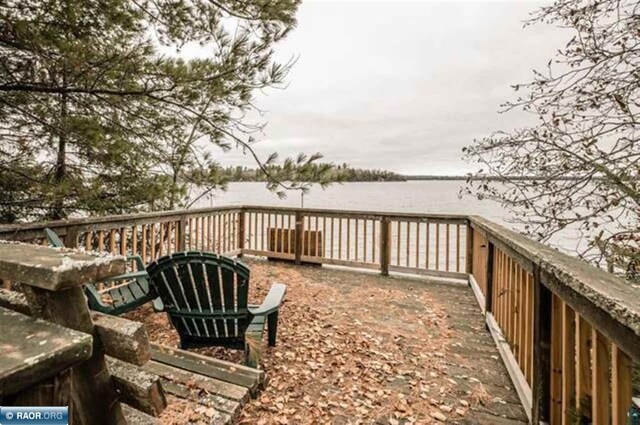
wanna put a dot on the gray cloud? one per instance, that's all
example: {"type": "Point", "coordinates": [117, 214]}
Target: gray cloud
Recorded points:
{"type": "Point", "coordinates": [401, 85]}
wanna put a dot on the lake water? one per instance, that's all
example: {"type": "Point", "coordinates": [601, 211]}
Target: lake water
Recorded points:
{"type": "Point", "coordinates": [439, 197]}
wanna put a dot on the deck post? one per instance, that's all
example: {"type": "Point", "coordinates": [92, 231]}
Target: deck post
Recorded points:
{"type": "Point", "coordinates": [488, 299]}
{"type": "Point", "coordinates": [469, 255]}
{"type": "Point", "coordinates": [241, 234]}
{"type": "Point", "coordinates": [542, 316]}
{"type": "Point", "coordinates": [299, 234]}
{"type": "Point", "coordinates": [385, 246]}
{"type": "Point", "coordinates": [71, 239]}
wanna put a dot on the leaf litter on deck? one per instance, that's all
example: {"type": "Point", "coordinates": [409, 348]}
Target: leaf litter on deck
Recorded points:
{"type": "Point", "coordinates": [348, 352]}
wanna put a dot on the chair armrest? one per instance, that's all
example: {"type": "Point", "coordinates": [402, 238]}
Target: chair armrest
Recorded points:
{"type": "Point", "coordinates": [128, 276]}
{"type": "Point", "coordinates": [138, 261]}
{"type": "Point", "coordinates": [272, 301]}
{"type": "Point", "coordinates": [158, 305]}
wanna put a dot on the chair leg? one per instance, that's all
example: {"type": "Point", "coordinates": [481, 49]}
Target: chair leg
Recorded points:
{"type": "Point", "coordinates": [252, 349]}
{"type": "Point", "coordinates": [272, 327]}
{"type": "Point", "coordinates": [184, 345]}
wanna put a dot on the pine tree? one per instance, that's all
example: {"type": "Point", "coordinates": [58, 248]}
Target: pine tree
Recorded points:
{"type": "Point", "coordinates": [99, 113]}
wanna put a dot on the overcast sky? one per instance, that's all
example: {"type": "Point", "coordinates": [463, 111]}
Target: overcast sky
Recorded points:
{"type": "Point", "coordinates": [401, 86]}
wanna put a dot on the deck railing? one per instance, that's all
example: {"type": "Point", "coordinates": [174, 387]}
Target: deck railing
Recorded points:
{"type": "Point", "coordinates": [567, 332]}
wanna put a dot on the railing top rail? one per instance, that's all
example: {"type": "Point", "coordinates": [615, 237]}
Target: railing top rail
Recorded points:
{"type": "Point", "coordinates": [127, 219]}
{"type": "Point", "coordinates": [341, 212]}
{"type": "Point", "coordinates": [609, 293]}
{"type": "Point", "coordinates": [109, 219]}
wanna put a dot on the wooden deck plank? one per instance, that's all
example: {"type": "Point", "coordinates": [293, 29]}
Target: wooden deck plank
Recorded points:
{"type": "Point", "coordinates": [221, 404]}
{"type": "Point", "coordinates": [212, 386]}
{"type": "Point", "coordinates": [223, 371]}
{"type": "Point", "coordinates": [134, 416]}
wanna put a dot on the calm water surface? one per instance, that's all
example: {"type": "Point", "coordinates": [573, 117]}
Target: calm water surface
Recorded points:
{"type": "Point", "coordinates": [413, 196]}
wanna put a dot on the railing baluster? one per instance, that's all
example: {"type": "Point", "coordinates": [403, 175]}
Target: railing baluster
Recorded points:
{"type": "Point", "coordinates": [542, 324]}
{"type": "Point", "coordinates": [437, 246]}
{"type": "Point", "coordinates": [556, 360]}
{"type": "Point", "coordinates": [231, 228]}
{"type": "Point", "coordinates": [324, 236]}
{"type": "Point", "coordinates": [176, 236]}
{"type": "Point", "coordinates": [152, 228]}
{"type": "Point", "coordinates": [583, 364]}
{"type": "Point", "coordinates": [457, 247]}
{"type": "Point", "coordinates": [219, 233]}
{"type": "Point", "coordinates": [373, 240]}
{"type": "Point", "coordinates": [257, 232]}
{"type": "Point", "coordinates": [181, 242]}
{"type": "Point", "coordinates": [601, 394]}
{"type": "Point", "coordinates": [317, 233]}
{"type": "Point", "coordinates": [568, 363]}
{"type": "Point", "coordinates": [426, 248]}
{"type": "Point", "coordinates": [144, 242]}
{"type": "Point", "coordinates": [203, 233]}
{"type": "Point", "coordinates": [289, 231]}
{"type": "Point", "coordinates": [268, 230]}
{"type": "Point", "coordinates": [332, 236]}
{"type": "Point", "coordinates": [522, 321]}
{"type": "Point", "coordinates": [498, 292]}
{"type": "Point", "coordinates": [385, 246]}
{"type": "Point", "coordinates": [364, 245]}
{"type": "Point", "coordinates": [299, 236]}
{"type": "Point", "coordinates": [340, 238]}
{"type": "Point", "coordinates": [515, 296]}
{"type": "Point", "coordinates": [112, 241]}
{"type": "Point", "coordinates": [241, 235]}
{"type": "Point", "coordinates": [447, 247]}
{"type": "Point", "coordinates": [88, 241]}
{"type": "Point", "coordinates": [161, 242]}
{"type": "Point", "coordinates": [357, 241]}
{"type": "Point", "coordinates": [417, 244]}
{"type": "Point", "coordinates": [134, 240]}
{"type": "Point", "coordinates": [348, 239]}
{"type": "Point", "coordinates": [621, 373]}
{"type": "Point", "coordinates": [275, 235]}
{"type": "Point", "coordinates": [307, 235]}
{"type": "Point", "coordinates": [529, 332]}
{"type": "Point", "coordinates": [398, 245]}
{"type": "Point", "coordinates": [471, 249]}
{"type": "Point", "coordinates": [408, 243]}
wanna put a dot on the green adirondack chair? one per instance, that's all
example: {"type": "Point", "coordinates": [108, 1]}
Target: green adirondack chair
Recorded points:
{"type": "Point", "coordinates": [205, 296]}
{"type": "Point", "coordinates": [122, 293]}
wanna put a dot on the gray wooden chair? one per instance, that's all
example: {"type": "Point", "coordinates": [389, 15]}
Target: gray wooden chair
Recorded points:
{"type": "Point", "coordinates": [206, 299]}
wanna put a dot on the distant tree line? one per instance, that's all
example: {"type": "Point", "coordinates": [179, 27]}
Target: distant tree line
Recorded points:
{"type": "Point", "coordinates": [473, 177]}
{"type": "Point", "coordinates": [328, 171]}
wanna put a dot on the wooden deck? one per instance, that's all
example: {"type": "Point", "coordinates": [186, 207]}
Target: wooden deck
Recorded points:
{"type": "Point", "coordinates": [357, 347]}
{"type": "Point", "coordinates": [470, 367]}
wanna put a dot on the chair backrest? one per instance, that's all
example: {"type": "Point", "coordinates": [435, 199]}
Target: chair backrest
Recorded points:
{"type": "Point", "coordinates": [205, 294]}
{"type": "Point", "coordinates": [53, 238]}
